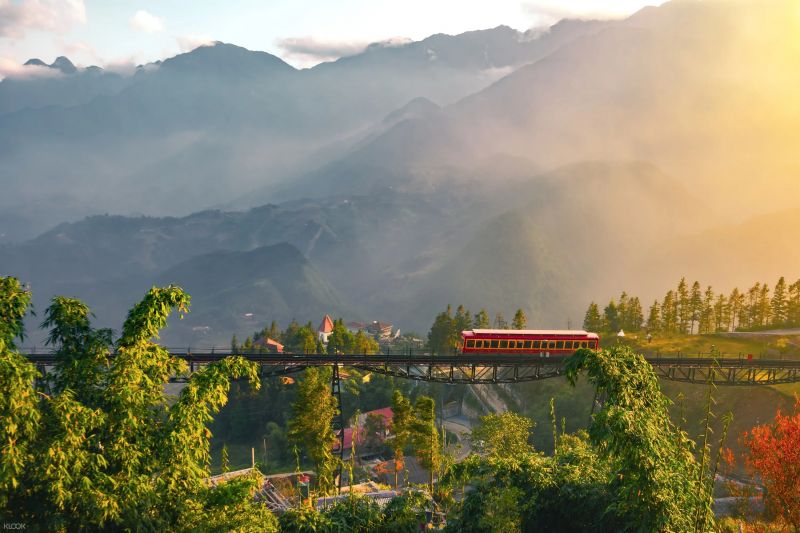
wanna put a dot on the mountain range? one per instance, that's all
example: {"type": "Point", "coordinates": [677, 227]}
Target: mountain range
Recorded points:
{"type": "Point", "coordinates": [496, 168]}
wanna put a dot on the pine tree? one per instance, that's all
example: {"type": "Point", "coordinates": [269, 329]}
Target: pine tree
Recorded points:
{"type": "Point", "coordinates": [481, 320]}
{"type": "Point", "coordinates": [225, 462]}
{"type": "Point", "coordinates": [425, 437]}
{"type": "Point", "coordinates": [442, 338]}
{"type": "Point", "coordinates": [500, 321]}
{"type": "Point", "coordinates": [634, 316]}
{"type": "Point", "coordinates": [654, 324]}
{"type": "Point", "coordinates": [684, 307]}
{"type": "Point", "coordinates": [794, 304]}
{"type": "Point", "coordinates": [340, 340]}
{"type": "Point", "coordinates": [736, 305]}
{"type": "Point", "coordinates": [622, 311]}
{"type": "Point", "coordinates": [234, 344]}
{"type": "Point", "coordinates": [669, 313]}
{"type": "Point", "coordinates": [695, 307]}
{"type": "Point", "coordinates": [722, 313]}
{"type": "Point", "coordinates": [706, 322]}
{"type": "Point", "coordinates": [764, 309]}
{"type": "Point", "coordinates": [780, 304]}
{"type": "Point", "coordinates": [401, 428]}
{"type": "Point", "coordinates": [593, 321]}
{"type": "Point", "coordinates": [462, 321]}
{"type": "Point", "coordinates": [611, 320]}
{"type": "Point", "coordinates": [520, 321]}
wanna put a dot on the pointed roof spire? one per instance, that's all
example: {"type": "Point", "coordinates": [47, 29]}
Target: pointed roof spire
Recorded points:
{"type": "Point", "coordinates": [327, 325]}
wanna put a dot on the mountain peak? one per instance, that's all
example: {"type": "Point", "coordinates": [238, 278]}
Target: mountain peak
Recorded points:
{"type": "Point", "coordinates": [64, 65]}
{"type": "Point", "coordinates": [36, 62]}
{"type": "Point", "coordinates": [226, 57]}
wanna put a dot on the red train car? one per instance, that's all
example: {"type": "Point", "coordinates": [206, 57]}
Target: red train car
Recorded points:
{"type": "Point", "coordinates": [527, 341]}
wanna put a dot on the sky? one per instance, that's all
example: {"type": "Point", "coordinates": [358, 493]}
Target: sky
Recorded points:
{"type": "Point", "coordinates": [119, 33]}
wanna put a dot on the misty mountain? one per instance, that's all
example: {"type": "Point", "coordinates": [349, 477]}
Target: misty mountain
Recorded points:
{"type": "Point", "coordinates": [207, 126]}
{"type": "Point", "coordinates": [666, 85]}
{"type": "Point", "coordinates": [241, 291]}
{"type": "Point", "coordinates": [394, 256]}
{"type": "Point", "coordinates": [57, 84]}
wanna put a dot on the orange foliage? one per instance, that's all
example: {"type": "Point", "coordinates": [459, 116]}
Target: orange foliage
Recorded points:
{"type": "Point", "coordinates": [774, 455]}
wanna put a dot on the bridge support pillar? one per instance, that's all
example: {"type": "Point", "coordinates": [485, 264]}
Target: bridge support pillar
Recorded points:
{"type": "Point", "coordinates": [338, 421]}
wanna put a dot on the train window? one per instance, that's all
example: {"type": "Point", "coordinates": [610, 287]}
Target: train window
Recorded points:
{"type": "Point", "coordinates": [511, 345]}
{"type": "Point", "coordinates": [567, 345]}
{"type": "Point", "coordinates": [527, 345]}
{"type": "Point", "coordinates": [494, 344]}
{"type": "Point", "coordinates": [560, 345]}
{"type": "Point", "coordinates": [471, 343]}
{"type": "Point", "coordinates": [584, 344]}
{"type": "Point", "coordinates": [503, 345]}
{"type": "Point", "coordinates": [552, 345]}
{"type": "Point", "coordinates": [537, 345]}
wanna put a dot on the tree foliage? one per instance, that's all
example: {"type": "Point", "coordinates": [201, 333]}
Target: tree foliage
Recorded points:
{"type": "Point", "coordinates": [110, 451]}
{"type": "Point", "coordinates": [504, 435]}
{"type": "Point", "coordinates": [311, 426]}
{"type": "Point", "coordinates": [774, 455]}
{"type": "Point", "coordinates": [657, 478]}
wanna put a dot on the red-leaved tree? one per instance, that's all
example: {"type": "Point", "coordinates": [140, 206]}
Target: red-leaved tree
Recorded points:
{"type": "Point", "coordinates": [774, 455]}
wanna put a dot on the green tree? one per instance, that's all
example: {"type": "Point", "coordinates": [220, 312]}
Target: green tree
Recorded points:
{"type": "Point", "coordinates": [374, 432]}
{"type": "Point", "coordinates": [520, 321]}
{"type": "Point", "coordinates": [340, 340]}
{"type": "Point", "coordinates": [133, 461]}
{"type": "Point", "coordinates": [722, 313]}
{"type": "Point", "coordinates": [695, 306]}
{"type": "Point", "coordinates": [611, 321]}
{"type": "Point", "coordinates": [402, 418]}
{"type": "Point", "coordinates": [442, 338]}
{"type": "Point", "coordinates": [669, 313]}
{"type": "Point", "coordinates": [425, 437]}
{"type": "Point", "coordinates": [737, 308]}
{"type": "Point", "coordinates": [684, 307]}
{"type": "Point", "coordinates": [654, 324]}
{"type": "Point", "coordinates": [225, 461]}
{"type": "Point", "coordinates": [706, 320]}
{"type": "Point", "coordinates": [622, 311]}
{"type": "Point", "coordinates": [365, 344]}
{"type": "Point", "coordinates": [311, 426]}
{"type": "Point", "coordinates": [794, 304]}
{"type": "Point", "coordinates": [500, 321]}
{"type": "Point", "coordinates": [462, 320]}
{"type": "Point", "coordinates": [481, 320]}
{"type": "Point", "coordinates": [661, 484]}
{"type": "Point", "coordinates": [634, 316]}
{"type": "Point", "coordinates": [592, 321]}
{"type": "Point", "coordinates": [504, 435]}
{"type": "Point", "coordinates": [780, 304]}
{"type": "Point", "coordinates": [82, 351]}
{"type": "Point", "coordinates": [764, 310]}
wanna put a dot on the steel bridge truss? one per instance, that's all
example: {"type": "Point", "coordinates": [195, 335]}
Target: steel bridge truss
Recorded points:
{"type": "Point", "coordinates": [480, 369]}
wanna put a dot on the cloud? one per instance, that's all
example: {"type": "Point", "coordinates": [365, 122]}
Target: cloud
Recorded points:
{"type": "Point", "coordinates": [146, 22]}
{"type": "Point", "coordinates": [11, 69]}
{"type": "Point", "coordinates": [17, 18]}
{"type": "Point", "coordinates": [187, 43]}
{"type": "Point", "coordinates": [550, 11]}
{"type": "Point", "coordinates": [308, 50]}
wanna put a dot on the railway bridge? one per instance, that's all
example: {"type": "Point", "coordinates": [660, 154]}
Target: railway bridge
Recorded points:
{"type": "Point", "coordinates": [721, 369]}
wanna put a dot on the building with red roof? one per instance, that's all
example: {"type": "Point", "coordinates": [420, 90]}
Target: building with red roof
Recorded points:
{"type": "Point", "coordinates": [325, 329]}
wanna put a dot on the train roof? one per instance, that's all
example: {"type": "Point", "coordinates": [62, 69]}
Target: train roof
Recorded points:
{"type": "Point", "coordinates": [558, 332]}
